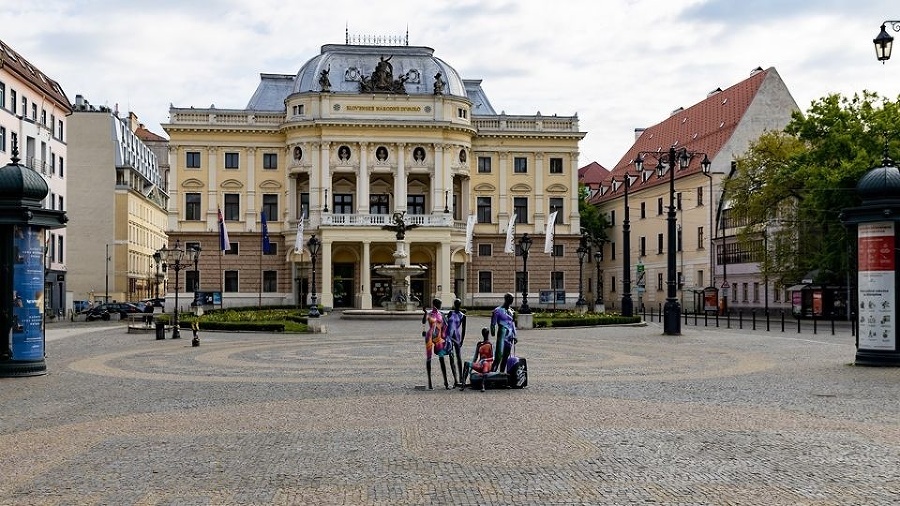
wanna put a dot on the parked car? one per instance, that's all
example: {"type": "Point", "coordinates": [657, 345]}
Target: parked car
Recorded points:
{"type": "Point", "coordinates": [102, 312]}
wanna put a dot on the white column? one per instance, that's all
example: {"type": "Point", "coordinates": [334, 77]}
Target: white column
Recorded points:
{"type": "Point", "coordinates": [251, 216]}
{"type": "Point", "coordinates": [444, 275]}
{"type": "Point", "coordinates": [362, 185]}
{"type": "Point", "coordinates": [213, 202]}
{"type": "Point", "coordinates": [400, 183]}
{"type": "Point", "coordinates": [503, 211]}
{"type": "Point", "coordinates": [365, 276]}
{"type": "Point", "coordinates": [540, 204]}
{"type": "Point", "coordinates": [325, 170]}
{"type": "Point", "coordinates": [327, 298]}
{"type": "Point", "coordinates": [574, 215]}
{"type": "Point", "coordinates": [438, 181]}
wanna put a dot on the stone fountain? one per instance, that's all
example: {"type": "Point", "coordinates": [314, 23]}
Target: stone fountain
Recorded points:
{"type": "Point", "coordinates": [400, 270]}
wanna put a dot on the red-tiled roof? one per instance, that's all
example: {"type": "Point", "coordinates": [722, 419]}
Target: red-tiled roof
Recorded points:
{"type": "Point", "coordinates": [16, 64]}
{"type": "Point", "coordinates": [592, 174]}
{"type": "Point", "coordinates": [704, 127]}
{"type": "Point", "coordinates": [146, 135]}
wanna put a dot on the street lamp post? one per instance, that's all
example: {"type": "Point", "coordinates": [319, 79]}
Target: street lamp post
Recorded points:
{"type": "Point", "coordinates": [179, 258]}
{"type": "Point", "coordinates": [313, 244]}
{"type": "Point", "coordinates": [583, 251]}
{"type": "Point", "coordinates": [525, 245]}
{"type": "Point", "coordinates": [681, 158]}
{"type": "Point", "coordinates": [627, 303]}
{"type": "Point", "coordinates": [706, 168]}
{"type": "Point", "coordinates": [884, 42]}
{"type": "Point", "coordinates": [157, 257]}
{"type": "Point", "coordinates": [598, 303]}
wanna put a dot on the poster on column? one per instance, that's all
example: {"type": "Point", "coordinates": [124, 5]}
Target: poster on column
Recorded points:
{"type": "Point", "coordinates": [877, 315]}
{"type": "Point", "coordinates": [28, 293]}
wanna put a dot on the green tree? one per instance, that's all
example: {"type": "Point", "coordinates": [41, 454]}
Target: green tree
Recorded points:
{"type": "Point", "coordinates": [593, 224]}
{"type": "Point", "coordinates": [791, 186]}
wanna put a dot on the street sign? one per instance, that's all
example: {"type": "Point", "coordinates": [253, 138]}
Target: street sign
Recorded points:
{"type": "Point", "coordinates": [640, 267]}
{"type": "Point", "coordinates": [726, 285]}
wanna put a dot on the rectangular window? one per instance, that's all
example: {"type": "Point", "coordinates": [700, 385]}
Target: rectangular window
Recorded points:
{"type": "Point", "coordinates": [415, 204]}
{"type": "Point", "coordinates": [678, 201]}
{"type": "Point", "coordinates": [484, 282]}
{"type": "Point", "coordinates": [61, 201]}
{"type": "Point", "coordinates": [642, 246]}
{"type": "Point", "coordinates": [24, 107]}
{"type": "Point", "coordinates": [520, 165]}
{"type": "Point", "coordinates": [556, 205]}
{"type": "Point", "coordinates": [33, 112]}
{"type": "Point", "coordinates": [304, 205]}
{"type": "Point", "coordinates": [232, 249]}
{"type": "Point", "coordinates": [659, 244]}
{"type": "Point", "coordinates": [273, 249]}
{"type": "Point", "coordinates": [699, 195]}
{"type": "Point", "coordinates": [2, 138]}
{"type": "Point", "coordinates": [231, 281]}
{"type": "Point", "coordinates": [612, 251]}
{"type": "Point", "coordinates": [232, 160]}
{"type": "Point", "coordinates": [59, 249]}
{"type": "Point", "coordinates": [557, 280]}
{"type": "Point", "coordinates": [678, 237]}
{"type": "Point", "coordinates": [556, 166]}
{"type": "Point", "coordinates": [659, 206]}
{"type": "Point", "coordinates": [484, 209]}
{"type": "Point", "coordinates": [232, 211]}
{"type": "Point", "coordinates": [612, 284]}
{"type": "Point", "coordinates": [270, 281]}
{"type": "Point", "coordinates": [191, 281]}
{"type": "Point", "coordinates": [270, 206]}
{"type": "Point", "coordinates": [520, 207]}
{"type": "Point", "coordinates": [484, 165]}
{"type": "Point", "coordinates": [700, 241]}
{"type": "Point", "coordinates": [734, 287]}
{"type": "Point", "coordinates": [2, 95]}
{"type": "Point", "coordinates": [756, 292]}
{"type": "Point", "coordinates": [192, 206]}
{"type": "Point", "coordinates": [192, 159]}
{"type": "Point", "coordinates": [700, 278]}
{"type": "Point", "coordinates": [59, 133]}
{"type": "Point", "coordinates": [659, 282]}
{"type": "Point", "coordinates": [558, 250]}
{"type": "Point", "coordinates": [44, 117]}
{"type": "Point", "coordinates": [744, 291]}
{"type": "Point", "coordinates": [61, 170]}
{"type": "Point", "coordinates": [378, 204]}
{"type": "Point", "coordinates": [12, 100]}
{"type": "Point", "coordinates": [343, 203]}
{"type": "Point", "coordinates": [52, 122]}
{"type": "Point", "coordinates": [270, 161]}
{"type": "Point", "coordinates": [485, 250]}
{"type": "Point", "coordinates": [643, 210]}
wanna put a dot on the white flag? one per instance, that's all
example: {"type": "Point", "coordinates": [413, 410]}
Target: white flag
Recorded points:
{"type": "Point", "coordinates": [510, 235]}
{"type": "Point", "coordinates": [470, 233]}
{"type": "Point", "coordinates": [551, 228]}
{"type": "Point", "coordinates": [298, 244]}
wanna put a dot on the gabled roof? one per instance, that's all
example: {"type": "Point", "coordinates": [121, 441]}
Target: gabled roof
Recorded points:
{"type": "Point", "coordinates": [16, 64]}
{"type": "Point", "coordinates": [705, 127]}
{"type": "Point", "coordinates": [592, 174]}
{"type": "Point", "coordinates": [146, 135]}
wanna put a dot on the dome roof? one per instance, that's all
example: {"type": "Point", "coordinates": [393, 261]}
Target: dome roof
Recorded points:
{"type": "Point", "coordinates": [350, 69]}
{"type": "Point", "coordinates": [880, 182]}
{"type": "Point", "coordinates": [20, 183]}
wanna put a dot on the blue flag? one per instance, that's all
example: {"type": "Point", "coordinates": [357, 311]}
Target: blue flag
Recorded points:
{"type": "Point", "coordinates": [265, 234]}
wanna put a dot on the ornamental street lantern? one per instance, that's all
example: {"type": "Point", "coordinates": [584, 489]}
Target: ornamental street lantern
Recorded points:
{"type": "Point", "coordinates": [23, 221]}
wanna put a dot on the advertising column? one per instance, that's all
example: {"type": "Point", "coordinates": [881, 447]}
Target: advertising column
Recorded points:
{"type": "Point", "coordinates": [27, 339]}
{"type": "Point", "coordinates": [877, 314]}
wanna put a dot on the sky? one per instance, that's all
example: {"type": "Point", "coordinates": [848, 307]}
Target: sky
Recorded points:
{"type": "Point", "coordinates": [616, 64]}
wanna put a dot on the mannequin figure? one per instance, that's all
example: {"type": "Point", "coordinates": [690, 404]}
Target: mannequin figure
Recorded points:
{"type": "Point", "coordinates": [504, 327]}
{"type": "Point", "coordinates": [434, 340]}
{"type": "Point", "coordinates": [481, 361]}
{"type": "Point", "coordinates": [456, 334]}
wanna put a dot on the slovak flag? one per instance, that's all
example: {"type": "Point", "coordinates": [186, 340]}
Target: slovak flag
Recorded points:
{"type": "Point", "coordinates": [224, 243]}
{"type": "Point", "coordinates": [265, 234]}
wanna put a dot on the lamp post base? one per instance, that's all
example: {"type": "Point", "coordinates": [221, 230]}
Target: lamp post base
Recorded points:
{"type": "Point", "coordinates": [672, 317]}
{"type": "Point", "coordinates": [627, 307]}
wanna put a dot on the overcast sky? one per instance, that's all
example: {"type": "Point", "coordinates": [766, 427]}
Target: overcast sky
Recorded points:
{"type": "Point", "coordinates": [617, 64]}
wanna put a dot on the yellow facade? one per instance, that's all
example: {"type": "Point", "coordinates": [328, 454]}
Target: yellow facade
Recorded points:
{"type": "Point", "coordinates": [346, 162]}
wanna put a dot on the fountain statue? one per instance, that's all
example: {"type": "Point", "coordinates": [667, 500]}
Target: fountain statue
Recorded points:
{"type": "Point", "coordinates": [400, 270]}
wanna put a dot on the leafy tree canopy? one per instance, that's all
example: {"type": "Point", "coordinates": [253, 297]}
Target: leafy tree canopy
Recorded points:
{"type": "Point", "coordinates": [792, 185]}
{"type": "Point", "coordinates": [593, 224]}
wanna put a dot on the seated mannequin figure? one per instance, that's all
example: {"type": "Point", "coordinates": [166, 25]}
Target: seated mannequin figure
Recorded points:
{"type": "Point", "coordinates": [482, 360]}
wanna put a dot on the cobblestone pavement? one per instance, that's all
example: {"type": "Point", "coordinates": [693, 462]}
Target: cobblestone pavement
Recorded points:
{"type": "Point", "coordinates": [613, 416]}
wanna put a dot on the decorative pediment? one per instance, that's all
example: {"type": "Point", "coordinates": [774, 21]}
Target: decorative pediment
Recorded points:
{"type": "Point", "coordinates": [192, 183]}
{"type": "Point", "coordinates": [485, 188]}
{"type": "Point", "coordinates": [231, 184]}
{"type": "Point", "coordinates": [520, 188]}
{"type": "Point", "coordinates": [417, 186]}
{"type": "Point", "coordinates": [270, 184]}
{"type": "Point", "coordinates": [557, 188]}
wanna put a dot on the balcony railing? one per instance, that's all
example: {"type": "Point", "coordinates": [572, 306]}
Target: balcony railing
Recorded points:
{"type": "Point", "coordinates": [379, 220]}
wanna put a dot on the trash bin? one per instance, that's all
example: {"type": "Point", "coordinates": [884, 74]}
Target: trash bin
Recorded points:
{"type": "Point", "coordinates": [160, 330]}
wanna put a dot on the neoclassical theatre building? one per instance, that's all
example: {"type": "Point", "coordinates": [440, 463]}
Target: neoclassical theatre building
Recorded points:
{"type": "Point", "coordinates": [359, 133]}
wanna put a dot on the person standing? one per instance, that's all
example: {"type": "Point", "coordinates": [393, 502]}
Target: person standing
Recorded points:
{"type": "Point", "coordinates": [504, 327]}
